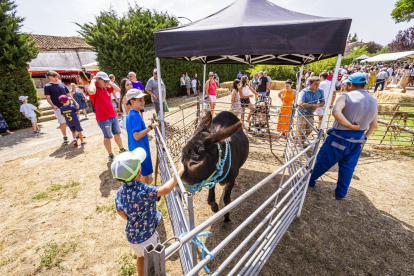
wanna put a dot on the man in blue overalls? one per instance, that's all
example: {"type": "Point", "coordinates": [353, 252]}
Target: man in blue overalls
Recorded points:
{"type": "Point", "coordinates": [355, 120]}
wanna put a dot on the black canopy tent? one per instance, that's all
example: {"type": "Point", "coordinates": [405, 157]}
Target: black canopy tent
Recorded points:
{"type": "Point", "coordinates": [254, 32]}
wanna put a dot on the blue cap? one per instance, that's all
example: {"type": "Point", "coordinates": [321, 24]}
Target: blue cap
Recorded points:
{"type": "Point", "coordinates": [356, 78]}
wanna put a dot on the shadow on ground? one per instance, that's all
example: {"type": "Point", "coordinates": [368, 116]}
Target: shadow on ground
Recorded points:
{"type": "Point", "coordinates": [108, 183]}
{"type": "Point", "coordinates": [68, 151]}
{"type": "Point", "coordinates": [347, 237]}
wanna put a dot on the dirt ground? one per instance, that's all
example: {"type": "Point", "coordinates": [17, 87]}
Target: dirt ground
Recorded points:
{"type": "Point", "coordinates": [58, 217]}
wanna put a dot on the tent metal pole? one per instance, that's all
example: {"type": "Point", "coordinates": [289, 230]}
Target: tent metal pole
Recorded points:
{"type": "Point", "coordinates": [160, 98]}
{"type": "Point", "coordinates": [299, 84]}
{"type": "Point", "coordinates": [328, 102]}
{"type": "Point", "coordinates": [204, 89]}
{"type": "Point", "coordinates": [294, 107]}
{"type": "Point", "coordinates": [325, 115]}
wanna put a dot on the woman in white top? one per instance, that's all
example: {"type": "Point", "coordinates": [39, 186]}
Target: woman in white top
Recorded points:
{"type": "Point", "coordinates": [126, 85]}
{"type": "Point", "coordinates": [244, 91]}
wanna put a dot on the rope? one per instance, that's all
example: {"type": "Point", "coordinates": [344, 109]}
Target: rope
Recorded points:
{"type": "Point", "coordinates": [197, 241]}
{"type": "Point", "coordinates": [215, 178]}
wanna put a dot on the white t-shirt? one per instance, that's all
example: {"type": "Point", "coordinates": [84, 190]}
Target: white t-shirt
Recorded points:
{"type": "Point", "coordinates": [193, 83]}
{"type": "Point", "coordinates": [412, 72]}
{"type": "Point", "coordinates": [117, 94]}
{"type": "Point", "coordinates": [390, 71]}
{"type": "Point", "coordinates": [28, 109]}
{"type": "Point", "coordinates": [325, 86]}
{"type": "Point", "coordinates": [344, 71]}
{"type": "Point", "coordinates": [246, 91]}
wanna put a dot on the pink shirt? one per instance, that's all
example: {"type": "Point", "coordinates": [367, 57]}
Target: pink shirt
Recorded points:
{"type": "Point", "coordinates": [102, 104]}
{"type": "Point", "coordinates": [212, 88]}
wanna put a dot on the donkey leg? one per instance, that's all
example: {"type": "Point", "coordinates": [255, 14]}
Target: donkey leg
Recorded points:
{"type": "Point", "coordinates": [227, 199]}
{"type": "Point", "coordinates": [211, 200]}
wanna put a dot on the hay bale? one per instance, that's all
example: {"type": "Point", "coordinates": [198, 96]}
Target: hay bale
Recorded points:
{"type": "Point", "coordinates": [222, 90]}
{"type": "Point", "coordinates": [392, 97]}
{"type": "Point", "coordinates": [227, 84]}
{"type": "Point", "coordinates": [277, 85]}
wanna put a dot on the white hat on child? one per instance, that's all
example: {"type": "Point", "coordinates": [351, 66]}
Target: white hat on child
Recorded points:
{"type": "Point", "coordinates": [127, 165]}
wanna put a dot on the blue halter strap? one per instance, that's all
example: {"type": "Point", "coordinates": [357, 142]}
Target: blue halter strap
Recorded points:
{"type": "Point", "coordinates": [217, 176]}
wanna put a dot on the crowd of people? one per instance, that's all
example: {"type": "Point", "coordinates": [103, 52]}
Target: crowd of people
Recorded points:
{"type": "Point", "coordinates": [115, 106]}
{"type": "Point", "coordinates": [355, 116]}
{"type": "Point", "coordinates": [378, 75]}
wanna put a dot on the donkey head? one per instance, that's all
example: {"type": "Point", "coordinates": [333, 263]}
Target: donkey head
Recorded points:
{"type": "Point", "coordinates": [200, 155]}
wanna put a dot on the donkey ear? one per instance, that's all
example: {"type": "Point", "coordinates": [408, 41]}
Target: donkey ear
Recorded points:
{"type": "Point", "coordinates": [205, 122]}
{"type": "Point", "coordinates": [223, 133]}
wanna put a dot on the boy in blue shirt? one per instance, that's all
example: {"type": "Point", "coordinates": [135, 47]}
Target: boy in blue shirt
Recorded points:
{"type": "Point", "coordinates": [68, 112]}
{"type": "Point", "coordinates": [137, 130]}
{"type": "Point", "coordinates": [136, 202]}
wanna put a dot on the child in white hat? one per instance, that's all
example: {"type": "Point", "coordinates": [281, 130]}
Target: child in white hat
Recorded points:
{"type": "Point", "coordinates": [136, 202]}
{"type": "Point", "coordinates": [28, 111]}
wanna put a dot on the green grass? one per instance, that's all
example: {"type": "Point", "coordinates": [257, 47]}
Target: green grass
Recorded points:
{"type": "Point", "coordinates": [40, 196]}
{"type": "Point", "coordinates": [394, 137]}
{"type": "Point", "coordinates": [162, 207]}
{"type": "Point", "coordinates": [408, 153]}
{"type": "Point", "coordinates": [70, 189]}
{"type": "Point", "coordinates": [109, 208]}
{"type": "Point", "coordinates": [128, 264]}
{"type": "Point", "coordinates": [53, 253]}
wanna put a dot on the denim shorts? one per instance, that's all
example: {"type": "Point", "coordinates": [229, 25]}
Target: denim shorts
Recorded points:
{"type": "Point", "coordinates": [264, 94]}
{"type": "Point", "coordinates": [110, 127]}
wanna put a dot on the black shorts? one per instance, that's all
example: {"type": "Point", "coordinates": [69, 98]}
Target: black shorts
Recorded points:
{"type": "Point", "coordinates": [245, 102]}
{"type": "Point", "coordinates": [75, 128]}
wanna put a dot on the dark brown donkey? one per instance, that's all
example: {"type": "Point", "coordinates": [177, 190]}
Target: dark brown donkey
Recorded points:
{"type": "Point", "coordinates": [201, 154]}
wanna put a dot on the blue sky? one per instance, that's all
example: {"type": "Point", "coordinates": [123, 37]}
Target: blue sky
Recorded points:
{"type": "Point", "coordinates": [370, 18]}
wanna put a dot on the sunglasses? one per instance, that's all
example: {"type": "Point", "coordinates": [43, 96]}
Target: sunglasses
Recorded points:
{"type": "Point", "coordinates": [211, 75]}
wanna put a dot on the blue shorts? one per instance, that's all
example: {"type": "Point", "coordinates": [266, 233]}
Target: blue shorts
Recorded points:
{"type": "Point", "coordinates": [110, 127]}
{"type": "Point", "coordinates": [264, 94]}
{"type": "Point", "coordinates": [75, 128]}
{"type": "Point", "coordinates": [194, 89]}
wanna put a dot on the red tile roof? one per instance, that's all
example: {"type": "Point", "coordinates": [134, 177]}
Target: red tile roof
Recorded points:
{"type": "Point", "coordinates": [48, 42]}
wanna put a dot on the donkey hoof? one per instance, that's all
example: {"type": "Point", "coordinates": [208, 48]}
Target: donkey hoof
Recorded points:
{"type": "Point", "coordinates": [215, 208]}
{"type": "Point", "coordinates": [227, 225]}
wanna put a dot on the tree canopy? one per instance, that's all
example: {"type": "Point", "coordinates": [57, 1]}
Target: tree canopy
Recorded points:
{"type": "Point", "coordinates": [126, 43]}
{"type": "Point", "coordinates": [353, 38]}
{"type": "Point", "coordinates": [17, 50]}
{"type": "Point", "coordinates": [403, 41]}
{"type": "Point", "coordinates": [403, 11]}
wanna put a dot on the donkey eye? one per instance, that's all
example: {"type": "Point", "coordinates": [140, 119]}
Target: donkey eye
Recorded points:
{"type": "Point", "coordinates": [193, 163]}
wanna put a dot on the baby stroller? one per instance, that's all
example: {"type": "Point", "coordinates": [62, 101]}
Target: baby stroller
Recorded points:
{"type": "Point", "coordinates": [260, 117]}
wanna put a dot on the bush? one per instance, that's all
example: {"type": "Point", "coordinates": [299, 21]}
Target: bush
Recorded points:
{"type": "Point", "coordinates": [126, 43]}
{"type": "Point", "coordinates": [277, 72]}
{"type": "Point", "coordinates": [284, 72]}
{"type": "Point", "coordinates": [16, 83]}
{"type": "Point", "coordinates": [17, 51]}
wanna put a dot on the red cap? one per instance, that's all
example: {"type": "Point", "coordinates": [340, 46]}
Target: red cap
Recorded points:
{"type": "Point", "coordinates": [63, 98]}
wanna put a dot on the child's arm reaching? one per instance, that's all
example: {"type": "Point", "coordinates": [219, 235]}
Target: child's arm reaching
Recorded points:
{"type": "Point", "coordinates": [36, 110]}
{"type": "Point", "coordinates": [167, 187]}
{"type": "Point", "coordinates": [123, 215]}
